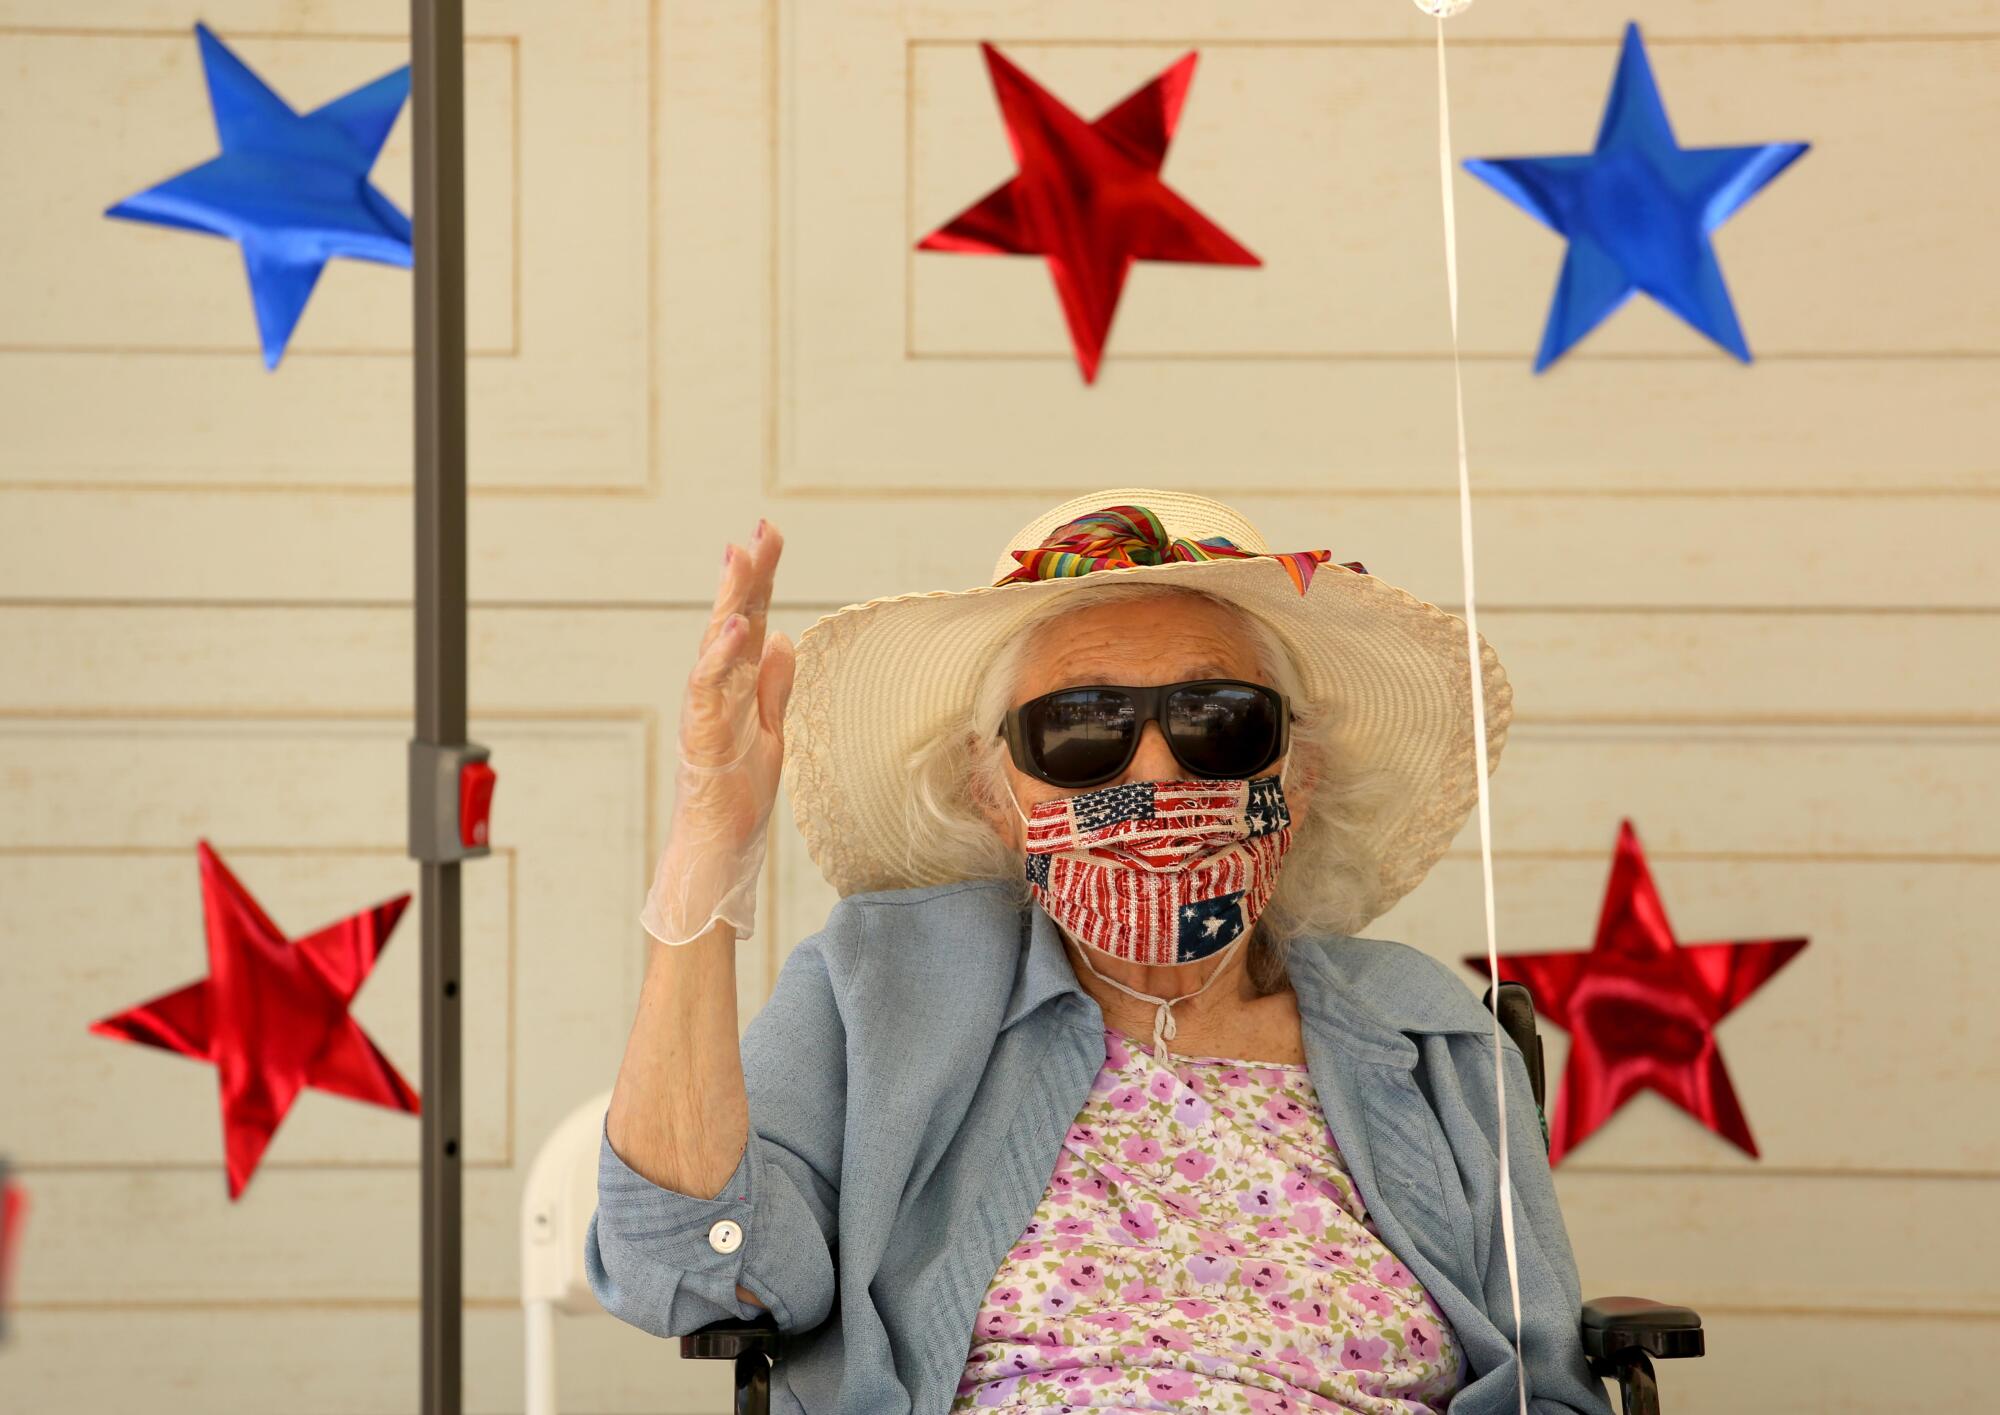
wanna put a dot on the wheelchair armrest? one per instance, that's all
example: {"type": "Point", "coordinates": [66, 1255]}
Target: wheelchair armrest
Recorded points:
{"type": "Point", "coordinates": [1616, 1327]}
{"type": "Point", "coordinates": [730, 1338]}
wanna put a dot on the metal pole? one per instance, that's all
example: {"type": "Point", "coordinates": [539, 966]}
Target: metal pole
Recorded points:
{"type": "Point", "coordinates": [438, 111]}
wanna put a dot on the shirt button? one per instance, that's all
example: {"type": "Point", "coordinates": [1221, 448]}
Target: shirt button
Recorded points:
{"type": "Point", "coordinates": [726, 1236]}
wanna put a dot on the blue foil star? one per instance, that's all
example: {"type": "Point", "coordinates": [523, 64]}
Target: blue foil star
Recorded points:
{"type": "Point", "coordinates": [291, 190]}
{"type": "Point", "coordinates": [1638, 212]}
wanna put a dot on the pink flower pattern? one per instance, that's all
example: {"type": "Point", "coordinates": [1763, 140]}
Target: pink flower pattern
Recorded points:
{"type": "Point", "coordinates": [1201, 1246]}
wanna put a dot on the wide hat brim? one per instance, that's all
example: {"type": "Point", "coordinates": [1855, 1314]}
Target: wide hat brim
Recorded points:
{"type": "Point", "coordinates": [876, 680]}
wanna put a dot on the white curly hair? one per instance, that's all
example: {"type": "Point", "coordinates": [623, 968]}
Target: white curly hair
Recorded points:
{"type": "Point", "coordinates": [1330, 879]}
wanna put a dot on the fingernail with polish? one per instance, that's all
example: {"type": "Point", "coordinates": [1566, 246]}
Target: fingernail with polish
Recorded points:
{"type": "Point", "coordinates": [728, 553]}
{"type": "Point", "coordinates": [758, 534]}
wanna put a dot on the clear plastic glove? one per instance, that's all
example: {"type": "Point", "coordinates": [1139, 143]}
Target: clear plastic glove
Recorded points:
{"type": "Point", "coordinates": [731, 751]}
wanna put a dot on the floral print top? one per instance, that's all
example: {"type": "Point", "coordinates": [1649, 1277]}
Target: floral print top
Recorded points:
{"type": "Point", "coordinates": [1201, 1247]}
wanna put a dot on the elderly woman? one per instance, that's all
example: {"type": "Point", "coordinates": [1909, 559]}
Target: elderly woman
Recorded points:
{"type": "Point", "coordinates": [1087, 1096]}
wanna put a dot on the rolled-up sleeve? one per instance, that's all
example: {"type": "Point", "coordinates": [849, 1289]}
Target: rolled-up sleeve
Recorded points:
{"type": "Point", "coordinates": [668, 1262]}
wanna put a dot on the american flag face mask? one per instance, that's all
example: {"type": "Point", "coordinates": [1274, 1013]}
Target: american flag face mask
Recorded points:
{"type": "Point", "coordinates": [1159, 872]}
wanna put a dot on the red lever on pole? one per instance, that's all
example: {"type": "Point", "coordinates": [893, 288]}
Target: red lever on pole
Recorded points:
{"type": "Point", "coordinates": [475, 801]}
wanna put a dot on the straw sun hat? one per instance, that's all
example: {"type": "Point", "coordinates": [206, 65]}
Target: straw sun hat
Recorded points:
{"type": "Point", "coordinates": [876, 680]}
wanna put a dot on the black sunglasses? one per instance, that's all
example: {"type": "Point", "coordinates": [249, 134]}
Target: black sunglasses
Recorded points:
{"type": "Point", "coordinates": [1218, 728]}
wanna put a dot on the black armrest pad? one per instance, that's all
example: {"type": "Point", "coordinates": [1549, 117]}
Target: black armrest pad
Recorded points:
{"type": "Point", "coordinates": [1614, 1325]}
{"type": "Point", "coordinates": [727, 1339]}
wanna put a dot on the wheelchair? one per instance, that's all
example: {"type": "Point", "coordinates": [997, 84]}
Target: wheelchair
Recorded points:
{"type": "Point", "coordinates": [1622, 1336]}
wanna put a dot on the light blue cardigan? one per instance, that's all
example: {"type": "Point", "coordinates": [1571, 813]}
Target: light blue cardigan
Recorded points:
{"type": "Point", "coordinates": [911, 1080]}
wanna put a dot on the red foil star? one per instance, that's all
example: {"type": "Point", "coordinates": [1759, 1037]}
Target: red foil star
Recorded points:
{"type": "Point", "coordinates": [1641, 1009]}
{"type": "Point", "coordinates": [13, 1212]}
{"type": "Point", "coordinates": [1089, 198]}
{"type": "Point", "coordinates": [272, 1015]}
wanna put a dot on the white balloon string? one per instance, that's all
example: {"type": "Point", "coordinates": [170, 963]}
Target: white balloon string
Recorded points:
{"type": "Point", "coordinates": [1478, 710]}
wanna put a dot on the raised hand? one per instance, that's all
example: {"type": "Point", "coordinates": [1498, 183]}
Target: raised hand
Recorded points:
{"type": "Point", "coordinates": [731, 752]}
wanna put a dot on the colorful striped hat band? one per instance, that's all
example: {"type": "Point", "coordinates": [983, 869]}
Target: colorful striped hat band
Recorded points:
{"type": "Point", "coordinates": [1118, 537]}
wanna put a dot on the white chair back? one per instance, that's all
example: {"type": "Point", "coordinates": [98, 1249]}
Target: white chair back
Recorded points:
{"type": "Point", "coordinates": [556, 1207]}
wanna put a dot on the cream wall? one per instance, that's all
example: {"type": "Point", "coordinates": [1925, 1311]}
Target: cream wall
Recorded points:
{"type": "Point", "coordinates": [1751, 608]}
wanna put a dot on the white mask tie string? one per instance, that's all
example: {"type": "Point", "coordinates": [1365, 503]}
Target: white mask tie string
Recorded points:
{"type": "Point", "coordinates": [1165, 1029]}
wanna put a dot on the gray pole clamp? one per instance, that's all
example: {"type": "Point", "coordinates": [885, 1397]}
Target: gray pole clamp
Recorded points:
{"type": "Point", "coordinates": [437, 770]}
